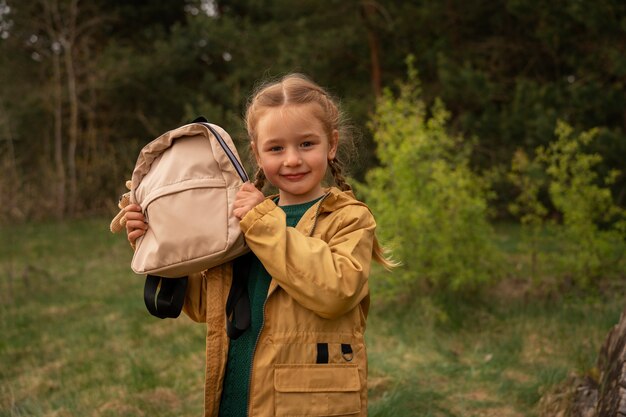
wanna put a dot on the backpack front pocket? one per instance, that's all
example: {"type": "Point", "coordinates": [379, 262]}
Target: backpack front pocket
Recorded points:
{"type": "Point", "coordinates": [187, 221]}
{"type": "Point", "coordinates": [317, 390]}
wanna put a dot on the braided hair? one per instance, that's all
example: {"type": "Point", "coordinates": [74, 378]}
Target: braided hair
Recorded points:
{"type": "Point", "coordinates": [336, 168]}
{"type": "Point", "coordinates": [259, 179]}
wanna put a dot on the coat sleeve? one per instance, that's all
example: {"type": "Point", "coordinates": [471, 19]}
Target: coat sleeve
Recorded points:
{"type": "Point", "coordinates": [327, 277]}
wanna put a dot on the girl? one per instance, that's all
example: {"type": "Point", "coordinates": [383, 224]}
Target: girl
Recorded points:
{"type": "Point", "coordinates": [304, 352]}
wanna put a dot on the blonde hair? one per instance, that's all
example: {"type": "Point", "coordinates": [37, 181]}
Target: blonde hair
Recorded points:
{"type": "Point", "coordinates": [298, 89]}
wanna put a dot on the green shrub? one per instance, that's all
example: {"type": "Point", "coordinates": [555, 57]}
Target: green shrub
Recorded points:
{"type": "Point", "coordinates": [430, 207]}
{"type": "Point", "coordinates": [586, 241]}
{"type": "Point", "coordinates": [529, 177]}
{"type": "Point", "coordinates": [591, 237]}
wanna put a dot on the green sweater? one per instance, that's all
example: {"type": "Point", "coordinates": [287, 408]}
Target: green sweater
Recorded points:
{"type": "Point", "coordinates": [234, 402]}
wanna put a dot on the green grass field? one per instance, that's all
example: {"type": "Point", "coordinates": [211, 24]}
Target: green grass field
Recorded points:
{"type": "Point", "coordinates": [76, 340]}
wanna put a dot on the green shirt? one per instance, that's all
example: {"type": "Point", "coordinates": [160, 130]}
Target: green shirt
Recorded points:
{"type": "Point", "coordinates": [234, 402]}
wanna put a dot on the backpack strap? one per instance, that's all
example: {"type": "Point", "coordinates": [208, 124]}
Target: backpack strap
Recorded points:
{"type": "Point", "coordinates": [238, 303]}
{"type": "Point", "coordinates": [164, 297]}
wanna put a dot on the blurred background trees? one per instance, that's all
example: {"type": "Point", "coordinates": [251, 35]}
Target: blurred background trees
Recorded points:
{"type": "Point", "coordinates": [84, 85]}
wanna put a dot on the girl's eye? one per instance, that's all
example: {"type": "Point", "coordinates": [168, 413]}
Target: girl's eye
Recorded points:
{"type": "Point", "coordinates": [276, 149]}
{"type": "Point", "coordinates": [306, 144]}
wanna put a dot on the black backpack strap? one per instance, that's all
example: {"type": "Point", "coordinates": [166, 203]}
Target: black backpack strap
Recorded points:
{"type": "Point", "coordinates": [164, 297]}
{"type": "Point", "coordinates": [238, 303]}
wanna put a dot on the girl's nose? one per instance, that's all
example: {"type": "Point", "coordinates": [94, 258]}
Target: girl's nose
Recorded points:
{"type": "Point", "coordinates": [292, 158]}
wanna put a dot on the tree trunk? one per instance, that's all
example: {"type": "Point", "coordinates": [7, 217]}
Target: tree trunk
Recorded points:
{"type": "Point", "coordinates": [58, 138]}
{"type": "Point", "coordinates": [68, 41]}
{"type": "Point", "coordinates": [368, 14]}
{"type": "Point", "coordinates": [9, 181]}
{"type": "Point", "coordinates": [61, 23]}
{"type": "Point", "coordinates": [612, 366]}
{"type": "Point", "coordinates": [584, 397]}
{"type": "Point", "coordinates": [72, 128]}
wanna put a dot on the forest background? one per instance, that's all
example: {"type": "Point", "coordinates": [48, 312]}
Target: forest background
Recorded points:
{"type": "Point", "coordinates": [86, 84]}
{"type": "Point", "coordinates": [491, 147]}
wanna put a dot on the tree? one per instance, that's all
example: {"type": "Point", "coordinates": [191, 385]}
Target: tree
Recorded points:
{"type": "Point", "coordinates": [128, 71]}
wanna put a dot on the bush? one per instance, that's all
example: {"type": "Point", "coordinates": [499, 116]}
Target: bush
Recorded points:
{"type": "Point", "coordinates": [430, 207]}
{"type": "Point", "coordinates": [591, 238]}
{"type": "Point", "coordinates": [529, 177]}
{"type": "Point", "coordinates": [584, 242]}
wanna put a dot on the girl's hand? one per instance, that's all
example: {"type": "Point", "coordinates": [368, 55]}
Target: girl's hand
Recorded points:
{"type": "Point", "coordinates": [246, 199]}
{"type": "Point", "coordinates": [136, 225]}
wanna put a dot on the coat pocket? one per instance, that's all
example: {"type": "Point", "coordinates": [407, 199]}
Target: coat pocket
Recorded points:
{"type": "Point", "coordinates": [317, 390]}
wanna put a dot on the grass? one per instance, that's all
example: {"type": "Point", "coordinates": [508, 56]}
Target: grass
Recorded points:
{"type": "Point", "coordinates": [495, 360]}
{"type": "Point", "coordinates": [76, 340]}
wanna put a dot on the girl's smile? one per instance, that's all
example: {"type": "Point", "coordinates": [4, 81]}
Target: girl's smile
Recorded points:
{"type": "Point", "coordinates": [294, 177]}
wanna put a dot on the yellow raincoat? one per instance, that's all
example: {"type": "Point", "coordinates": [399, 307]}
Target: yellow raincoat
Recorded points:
{"type": "Point", "coordinates": [319, 294]}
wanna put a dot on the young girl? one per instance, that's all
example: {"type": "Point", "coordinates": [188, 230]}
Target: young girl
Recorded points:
{"type": "Point", "coordinates": [304, 352]}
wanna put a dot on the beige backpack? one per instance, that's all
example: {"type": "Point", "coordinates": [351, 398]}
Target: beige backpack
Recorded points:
{"type": "Point", "coordinates": [185, 182]}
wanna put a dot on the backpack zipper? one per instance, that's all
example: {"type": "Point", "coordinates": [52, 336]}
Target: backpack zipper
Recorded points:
{"type": "Point", "coordinates": [229, 153]}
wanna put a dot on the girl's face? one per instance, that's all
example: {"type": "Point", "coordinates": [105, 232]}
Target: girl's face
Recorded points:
{"type": "Point", "coordinates": [293, 150]}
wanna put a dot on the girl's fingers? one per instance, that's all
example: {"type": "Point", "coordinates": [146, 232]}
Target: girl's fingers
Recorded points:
{"type": "Point", "coordinates": [133, 213]}
{"type": "Point", "coordinates": [246, 199]}
{"type": "Point", "coordinates": [132, 208]}
{"type": "Point", "coordinates": [248, 186]}
{"type": "Point", "coordinates": [135, 229]}
{"type": "Point", "coordinates": [135, 217]}
{"type": "Point", "coordinates": [238, 201]}
{"type": "Point", "coordinates": [241, 212]}
{"type": "Point", "coordinates": [135, 234]}
{"type": "Point", "coordinates": [136, 224]}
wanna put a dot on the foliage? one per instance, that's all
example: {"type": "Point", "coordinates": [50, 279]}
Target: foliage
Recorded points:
{"type": "Point", "coordinates": [429, 205]}
{"type": "Point", "coordinates": [586, 242]}
{"type": "Point", "coordinates": [506, 71]}
{"type": "Point", "coordinates": [529, 178]}
{"type": "Point", "coordinates": [592, 237]}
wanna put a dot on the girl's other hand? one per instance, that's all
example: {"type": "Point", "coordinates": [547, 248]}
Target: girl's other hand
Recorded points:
{"type": "Point", "coordinates": [136, 225]}
{"type": "Point", "coordinates": [246, 199]}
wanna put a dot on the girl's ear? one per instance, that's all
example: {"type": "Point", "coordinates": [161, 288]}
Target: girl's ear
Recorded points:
{"type": "Point", "coordinates": [333, 142]}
